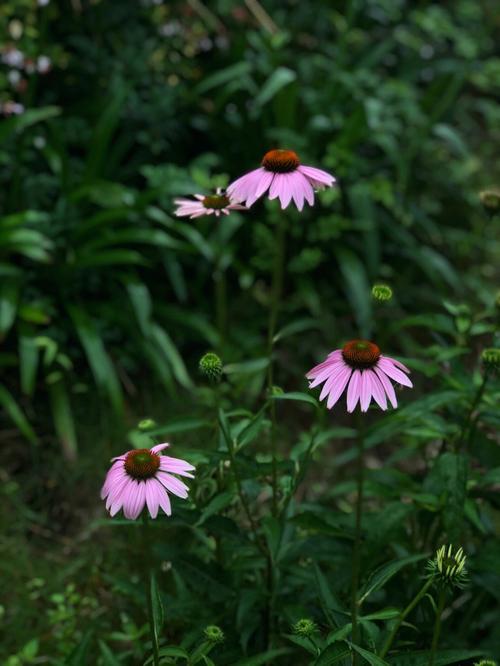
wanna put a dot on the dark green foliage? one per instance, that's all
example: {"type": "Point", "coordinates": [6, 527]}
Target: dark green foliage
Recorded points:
{"type": "Point", "coordinates": [108, 301]}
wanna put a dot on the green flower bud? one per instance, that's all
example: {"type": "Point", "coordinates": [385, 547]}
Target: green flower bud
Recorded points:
{"type": "Point", "coordinates": [381, 292]}
{"type": "Point", "coordinates": [146, 424]}
{"type": "Point", "coordinates": [490, 198]}
{"type": "Point", "coordinates": [214, 634]}
{"type": "Point", "coordinates": [211, 367]}
{"type": "Point", "coordinates": [448, 566]}
{"type": "Point", "coordinates": [486, 662]}
{"type": "Point", "coordinates": [491, 358]}
{"type": "Point", "coordinates": [304, 628]}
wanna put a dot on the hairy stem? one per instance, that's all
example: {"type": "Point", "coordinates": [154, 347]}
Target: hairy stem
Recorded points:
{"type": "Point", "coordinates": [437, 626]}
{"type": "Point", "coordinates": [147, 582]}
{"type": "Point", "coordinates": [276, 293]}
{"type": "Point", "coordinates": [390, 639]}
{"type": "Point", "coordinates": [356, 556]}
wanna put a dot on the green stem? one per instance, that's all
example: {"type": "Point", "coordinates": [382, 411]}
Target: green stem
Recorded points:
{"type": "Point", "coordinates": [468, 427]}
{"type": "Point", "coordinates": [147, 581]}
{"type": "Point", "coordinates": [356, 557]}
{"type": "Point", "coordinates": [437, 626]}
{"type": "Point", "coordinates": [390, 639]}
{"type": "Point", "coordinates": [221, 304]}
{"type": "Point", "coordinates": [276, 293]}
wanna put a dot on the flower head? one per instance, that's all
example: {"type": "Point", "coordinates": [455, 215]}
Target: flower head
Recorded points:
{"type": "Point", "coordinates": [212, 204]}
{"type": "Point", "coordinates": [490, 198]}
{"type": "Point", "coordinates": [491, 358]}
{"type": "Point", "coordinates": [485, 662]}
{"type": "Point", "coordinates": [360, 367]}
{"type": "Point", "coordinates": [214, 634]}
{"type": "Point", "coordinates": [144, 477]}
{"type": "Point", "coordinates": [211, 367]}
{"type": "Point", "coordinates": [381, 292]}
{"type": "Point", "coordinates": [304, 628]}
{"type": "Point", "coordinates": [284, 176]}
{"type": "Point", "coordinates": [449, 566]}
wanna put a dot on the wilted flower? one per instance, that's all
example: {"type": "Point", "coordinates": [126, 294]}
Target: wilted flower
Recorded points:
{"type": "Point", "coordinates": [211, 366]}
{"type": "Point", "coordinates": [381, 292]}
{"type": "Point", "coordinates": [491, 358]}
{"type": "Point", "coordinates": [144, 477]}
{"type": "Point", "coordinates": [304, 628]}
{"type": "Point", "coordinates": [449, 567]}
{"type": "Point", "coordinates": [284, 176]}
{"type": "Point", "coordinates": [212, 204]}
{"type": "Point", "coordinates": [360, 366]}
{"type": "Point", "coordinates": [214, 634]}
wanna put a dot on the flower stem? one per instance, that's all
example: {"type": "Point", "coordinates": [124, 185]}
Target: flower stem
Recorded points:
{"type": "Point", "coordinates": [468, 427]}
{"type": "Point", "coordinates": [390, 639]}
{"type": "Point", "coordinates": [276, 292]}
{"type": "Point", "coordinates": [437, 626]}
{"type": "Point", "coordinates": [220, 304]}
{"type": "Point", "coordinates": [147, 582]}
{"type": "Point", "coordinates": [356, 556]}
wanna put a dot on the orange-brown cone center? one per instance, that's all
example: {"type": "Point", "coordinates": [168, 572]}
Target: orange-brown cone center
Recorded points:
{"type": "Point", "coordinates": [216, 201]}
{"type": "Point", "coordinates": [360, 354]}
{"type": "Point", "coordinates": [142, 463]}
{"type": "Point", "coordinates": [280, 161]}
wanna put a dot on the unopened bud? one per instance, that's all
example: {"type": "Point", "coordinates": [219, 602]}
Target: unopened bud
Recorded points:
{"type": "Point", "coordinates": [381, 292]}
{"type": "Point", "coordinates": [146, 424]}
{"type": "Point", "coordinates": [490, 198]}
{"type": "Point", "coordinates": [491, 358]}
{"type": "Point", "coordinates": [214, 634]}
{"type": "Point", "coordinates": [211, 367]}
{"type": "Point", "coordinates": [304, 628]}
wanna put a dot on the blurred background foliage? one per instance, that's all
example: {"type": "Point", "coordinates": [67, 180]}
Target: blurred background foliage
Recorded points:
{"type": "Point", "coordinates": [109, 110]}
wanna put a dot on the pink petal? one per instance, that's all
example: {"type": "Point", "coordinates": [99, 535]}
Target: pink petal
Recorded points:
{"type": "Point", "coordinates": [398, 364]}
{"type": "Point", "coordinates": [332, 379]}
{"type": "Point", "coordinates": [317, 174]}
{"type": "Point", "coordinates": [122, 457]}
{"type": "Point", "coordinates": [114, 474]}
{"type": "Point", "coordinates": [264, 184]}
{"type": "Point", "coordinates": [366, 390]}
{"type": "Point", "coordinates": [163, 499]}
{"type": "Point", "coordinates": [390, 369]}
{"type": "Point", "coordinates": [176, 466]}
{"type": "Point", "coordinates": [353, 390]}
{"type": "Point", "coordinates": [172, 484]}
{"type": "Point", "coordinates": [152, 490]}
{"type": "Point", "coordinates": [119, 499]}
{"type": "Point", "coordinates": [117, 490]}
{"type": "Point", "coordinates": [159, 447]}
{"type": "Point", "coordinates": [134, 500]}
{"type": "Point", "coordinates": [243, 188]}
{"type": "Point", "coordinates": [378, 391]}
{"type": "Point", "coordinates": [340, 385]}
{"type": "Point", "coordinates": [326, 372]}
{"type": "Point", "coordinates": [387, 386]}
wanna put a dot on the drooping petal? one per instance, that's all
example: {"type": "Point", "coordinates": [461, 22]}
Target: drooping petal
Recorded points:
{"type": "Point", "coordinates": [317, 175]}
{"type": "Point", "coordinates": [398, 364]}
{"type": "Point", "coordinates": [326, 373]}
{"type": "Point", "coordinates": [387, 386]}
{"type": "Point", "coordinates": [176, 466]}
{"type": "Point", "coordinates": [159, 447]}
{"type": "Point", "coordinates": [365, 390]}
{"type": "Point", "coordinates": [117, 502]}
{"type": "Point", "coordinates": [163, 498]}
{"type": "Point", "coordinates": [353, 390]}
{"type": "Point", "coordinates": [378, 391]}
{"type": "Point", "coordinates": [339, 387]}
{"type": "Point", "coordinates": [242, 189]}
{"type": "Point", "coordinates": [116, 472]}
{"type": "Point", "coordinates": [332, 379]}
{"type": "Point", "coordinates": [387, 366]}
{"type": "Point", "coordinates": [152, 489]}
{"type": "Point", "coordinates": [264, 184]}
{"type": "Point", "coordinates": [135, 500]}
{"type": "Point", "coordinates": [172, 484]}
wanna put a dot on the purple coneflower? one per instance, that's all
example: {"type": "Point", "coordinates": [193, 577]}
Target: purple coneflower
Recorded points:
{"type": "Point", "coordinates": [144, 477]}
{"type": "Point", "coordinates": [284, 176]}
{"type": "Point", "coordinates": [361, 368]}
{"type": "Point", "coordinates": [213, 204]}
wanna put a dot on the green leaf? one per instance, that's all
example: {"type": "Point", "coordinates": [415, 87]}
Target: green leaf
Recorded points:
{"type": "Point", "coordinates": [63, 418]}
{"type": "Point", "coordinates": [357, 288]}
{"type": "Point", "coordinates": [97, 357]}
{"type": "Point", "coordinates": [28, 362]}
{"type": "Point", "coordinates": [332, 608]}
{"type": "Point", "coordinates": [165, 344]}
{"type": "Point", "coordinates": [103, 133]}
{"type": "Point", "coordinates": [79, 656]}
{"type": "Point", "coordinates": [158, 615]}
{"type": "Point", "coordinates": [298, 397]}
{"type": "Point", "coordinates": [30, 117]}
{"type": "Point", "coordinates": [16, 414]}
{"type": "Point", "coordinates": [141, 302]}
{"type": "Point", "coordinates": [222, 76]}
{"type": "Point", "coordinates": [447, 480]}
{"type": "Point", "coordinates": [443, 657]}
{"type": "Point", "coordinates": [9, 296]}
{"type": "Point", "coordinates": [264, 658]}
{"type": "Point", "coordinates": [107, 655]}
{"type": "Point", "coordinates": [216, 504]}
{"type": "Point", "coordinates": [333, 654]}
{"type": "Point", "coordinates": [295, 327]}
{"type": "Point", "coordinates": [279, 78]}
{"type": "Point", "coordinates": [384, 573]}
{"type": "Point", "coordinates": [370, 657]}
